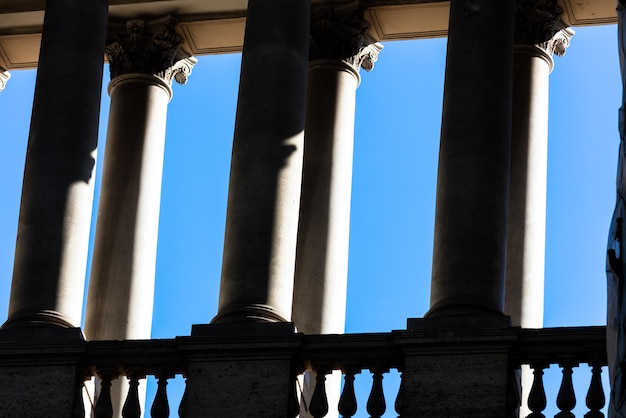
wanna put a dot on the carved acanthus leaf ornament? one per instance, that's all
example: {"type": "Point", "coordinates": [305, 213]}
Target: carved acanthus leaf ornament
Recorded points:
{"type": "Point", "coordinates": [536, 21]}
{"type": "Point", "coordinates": [4, 77]}
{"type": "Point", "coordinates": [149, 47]}
{"type": "Point", "coordinates": [341, 35]}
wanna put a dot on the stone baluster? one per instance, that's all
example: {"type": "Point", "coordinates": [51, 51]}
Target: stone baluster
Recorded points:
{"type": "Point", "coordinates": [537, 401]}
{"type": "Point", "coordinates": [104, 406]}
{"type": "Point", "coordinates": [347, 401]}
{"type": "Point", "coordinates": [132, 405]}
{"type": "Point", "coordinates": [160, 406]}
{"type": "Point", "coordinates": [399, 403]}
{"type": "Point", "coordinates": [293, 403]}
{"type": "Point", "coordinates": [566, 398]}
{"type": "Point", "coordinates": [4, 78]}
{"type": "Point", "coordinates": [595, 399]}
{"type": "Point", "coordinates": [318, 406]}
{"type": "Point", "coordinates": [182, 407]}
{"type": "Point", "coordinates": [144, 58]}
{"type": "Point", "coordinates": [78, 406]}
{"type": "Point", "coordinates": [376, 405]}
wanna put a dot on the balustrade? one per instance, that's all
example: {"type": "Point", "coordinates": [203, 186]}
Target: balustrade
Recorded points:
{"type": "Point", "coordinates": [578, 352]}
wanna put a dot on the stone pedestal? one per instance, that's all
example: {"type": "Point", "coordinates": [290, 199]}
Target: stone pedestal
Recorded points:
{"type": "Point", "coordinates": [266, 167]}
{"type": "Point", "coordinates": [233, 376]}
{"type": "Point", "coordinates": [57, 193]}
{"type": "Point", "coordinates": [457, 373]}
{"type": "Point", "coordinates": [469, 251]}
{"type": "Point", "coordinates": [39, 378]}
{"type": "Point", "coordinates": [455, 386]}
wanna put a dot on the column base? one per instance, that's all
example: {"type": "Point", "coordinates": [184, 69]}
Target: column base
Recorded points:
{"type": "Point", "coordinates": [248, 314]}
{"type": "Point", "coordinates": [37, 318]}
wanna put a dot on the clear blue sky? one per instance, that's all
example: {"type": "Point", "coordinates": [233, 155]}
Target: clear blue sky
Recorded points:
{"type": "Point", "coordinates": [396, 145]}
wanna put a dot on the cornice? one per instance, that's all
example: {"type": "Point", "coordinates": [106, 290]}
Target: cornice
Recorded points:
{"type": "Point", "coordinates": [217, 26]}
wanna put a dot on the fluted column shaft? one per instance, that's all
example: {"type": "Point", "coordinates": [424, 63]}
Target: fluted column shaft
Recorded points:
{"type": "Point", "coordinates": [266, 168]}
{"type": "Point", "coordinates": [473, 178]}
{"type": "Point", "coordinates": [57, 193]}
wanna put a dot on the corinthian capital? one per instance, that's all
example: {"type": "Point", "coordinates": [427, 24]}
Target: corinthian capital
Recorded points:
{"type": "Point", "coordinates": [4, 77]}
{"type": "Point", "coordinates": [536, 21]}
{"type": "Point", "coordinates": [341, 35]}
{"type": "Point", "coordinates": [559, 42]}
{"type": "Point", "coordinates": [148, 47]}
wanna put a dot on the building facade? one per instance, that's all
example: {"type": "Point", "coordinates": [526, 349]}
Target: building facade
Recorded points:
{"type": "Point", "coordinates": [283, 284]}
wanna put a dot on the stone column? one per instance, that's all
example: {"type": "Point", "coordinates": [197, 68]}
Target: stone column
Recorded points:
{"type": "Point", "coordinates": [338, 50]}
{"type": "Point", "coordinates": [473, 178]}
{"type": "Point", "coordinates": [538, 35]}
{"type": "Point", "coordinates": [266, 167]}
{"type": "Point", "coordinates": [57, 193]}
{"type": "Point", "coordinates": [143, 58]}
{"type": "Point", "coordinates": [4, 78]}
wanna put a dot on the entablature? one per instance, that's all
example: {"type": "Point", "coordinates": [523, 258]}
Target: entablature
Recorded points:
{"type": "Point", "coordinates": [217, 26]}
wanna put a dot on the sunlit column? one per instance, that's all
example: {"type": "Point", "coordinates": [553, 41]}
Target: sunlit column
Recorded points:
{"type": "Point", "coordinates": [529, 160]}
{"type": "Point", "coordinates": [266, 168]}
{"type": "Point", "coordinates": [338, 50]}
{"type": "Point", "coordinates": [538, 35]}
{"type": "Point", "coordinates": [4, 78]}
{"type": "Point", "coordinates": [143, 58]}
{"type": "Point", "coordinates": [474, 162]}
{"type": "Point", "coordinates": [57, 192]}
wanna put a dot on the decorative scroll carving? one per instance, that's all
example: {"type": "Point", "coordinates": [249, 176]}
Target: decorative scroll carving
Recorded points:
{"type": "Point", "coordinates": [341, 35]}
{"type": "Point", "coordinates": [149, 47]}
{"type": "Point", "coordinates": [559, 43]}
{"type": "Point", "coordinates": [536, 21]}
{"type": "Point", "coordinates": [4, 77]}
